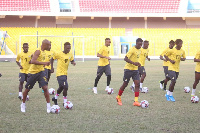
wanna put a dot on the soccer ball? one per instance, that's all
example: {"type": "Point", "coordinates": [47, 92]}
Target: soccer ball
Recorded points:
{"type": "Point", "coordinates": [110, 91]}
{"type": "Point", "coordinates": [144, 104]}
{"type": "Point", "coordinates": [51, 91]}
{"type": "Point", "coordinates": [27, 98]}
{"type": "Point", "coordinates": [195, 99]}
{"type": "Point", "coordinates": [186, 89]}
{"type": "Point", "coordinates": [55, 109]}
{"type": "Point", "coordinates": [68, 105]}
{"type": "Point", "coordinates": [145, 90]}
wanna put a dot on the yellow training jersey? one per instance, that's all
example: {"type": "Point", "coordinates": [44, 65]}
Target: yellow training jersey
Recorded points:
{"type": "Point", "coordinates": [197, 68]}
{"type": "Point", "coordinates": [25, 59]}
{"type": "Point", "coordinates": [165, 63]}
{"type": "Point", "coordinates": [175, 55]}
{"type": "Point", "coordinates": [143, 55]}
{"type": "Point", "coordinates": [105, 52]}
{"type": "Point", "coordinates": [38, 68]}
{"type": "Point", "coordinates": [48, 56]}
{"type": "Point", "coordinates": [63, 62]}
{"type": "Point", "coordinates": [133, 54]}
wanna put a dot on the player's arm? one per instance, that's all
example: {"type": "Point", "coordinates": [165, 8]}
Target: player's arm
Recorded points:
{"type": "Point", "coordinates": [34, 59]}
{"type": "Point", "coordinates": [101, 56]}
{"type": "Point", "coordinates": [196, 60]}
{"type": "Point", "coordinates": [52, 61]}
{"type": "Point", "coordinates": [31, 58]}
{"type": "Point", "coordinates": [129, 61]}
{"type": "Point", "coordinates": [17, 61]}
{"type": "Point", "coordinates": [183, 57]}
{"type": "Point", "coordinates": [161, 56]}
{"type": "Point", "coordinates": [197, 56]}
{"type": "Point", "coordinates": [73, 62]}
{"type": "Point", "coordinates": [168, 59]}
{"type": "Point", "coordinates": [148, 58]}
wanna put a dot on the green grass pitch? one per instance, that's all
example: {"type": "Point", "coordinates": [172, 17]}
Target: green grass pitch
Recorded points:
{"type": "Point", "coordinates": [100, 113]}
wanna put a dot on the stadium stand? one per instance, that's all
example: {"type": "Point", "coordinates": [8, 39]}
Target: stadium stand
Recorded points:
{"type": "Point", "coordinates": [130, 6]}
{"type": "Point", "coordinates": [159, 39]}
{"type": "Point", "coordinates": [94, 38]}
{"type": "Point", "coordinates": [25, 5]}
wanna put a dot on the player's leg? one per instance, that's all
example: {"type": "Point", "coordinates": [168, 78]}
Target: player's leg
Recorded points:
{"type": "Point", "coordinates": [100, 72]}
{"type": "Point", "coordinates": [126, 79]}
{"type": "Point", "coordinates": [173, 76]}
{"type": "Point", "coordinates": [22, 78]}
{"type": "Point", "coordinates": [165, 68]}
{"type": "Point", "coordinates": [143, 75]}
{"type": "Point", "coordinates": [61, 83]}
{"type": "Point", "coordinates": [197, 78]}
{"type": "Point", "coordinates": [44, 84]}
{"type": "Point", "coordinates": [136, 79]}
{"type": "Point", "coordinates": [140, 69]}
{"type": "Point", "coordinates": [108, 74]}
{"type": "Point", "coordinates": [49, 74]}
{"type": "Point", "coordinates": [32, 78]}
{"type": "Point", "coordinates": [65, 89]}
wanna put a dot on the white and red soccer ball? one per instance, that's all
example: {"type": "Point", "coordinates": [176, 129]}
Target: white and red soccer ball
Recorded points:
{"type": "Point", "coordinates": [186, 89]}
{"type": "Point", "coordinates": [55, 109]}
{"type": "Point", "coordinates": [144, 104]}
{"type": "Point", "coordinates": [195, 99]}
{"type": "Point", "coordinates": [52, 91]}
{"type": "Point", "coordinates": [110, 91]}
{"type": "Point", "coordinates": [68, 105]}
{"type": "Point", "coordinates": [145, 90]}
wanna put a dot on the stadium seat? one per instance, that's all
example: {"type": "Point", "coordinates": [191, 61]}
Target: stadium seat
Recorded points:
{"type": "Point", "coordinates": [130, 6]}
{"type": "Point", "coordinates": [25, 5]}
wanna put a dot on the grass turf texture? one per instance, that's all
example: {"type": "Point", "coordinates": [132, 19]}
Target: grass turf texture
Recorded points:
{"type": "Point", "coordinates": [100, 113]}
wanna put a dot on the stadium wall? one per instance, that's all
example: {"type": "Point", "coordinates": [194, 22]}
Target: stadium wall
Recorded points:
{"type": "Point", "coordinates": [97, 22]}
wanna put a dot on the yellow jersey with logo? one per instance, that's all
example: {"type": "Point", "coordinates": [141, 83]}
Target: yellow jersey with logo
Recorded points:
{"type": "Point", "coordinates": [63, 62]}
{"type": "Point", "coordinates": [38, 68]}
{"type": "Point", "coordinates": [143, 55]}
{"type": "Point", "coordinates": [197, 56]}
{"type": "Point", "coordinates": [175, 55]}
{"type": "Point", "coordinates": [165, 63]}
{"type": "Point", "coordinates": [105, 52]}
{"type": "Point", "coordinates": [48, 56]}
{"type": "Point", "coordinates": [133, 55]}
{"type": "Point", "coordinates": [25, 59]}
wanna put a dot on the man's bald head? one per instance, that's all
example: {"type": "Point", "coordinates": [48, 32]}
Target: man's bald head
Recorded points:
{"type": "Point", "coordinates": [45, 44]}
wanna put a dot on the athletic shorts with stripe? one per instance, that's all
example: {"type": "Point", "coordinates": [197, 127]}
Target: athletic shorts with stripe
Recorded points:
{"type": "Point", "coordinates": [141, 70]}
{"type": "Point", "coordinates": [104, 69]}
{"type": "Point", "coordinates": [134, 74]}
{"type": "Point", "coordinates": [23, 77]}
{"type": "Point", "coordinates": [62, 81]}
{"type": "Point", "coordinates": [173, 75]}
{"type": "Point", "coordinates": [33, 78]}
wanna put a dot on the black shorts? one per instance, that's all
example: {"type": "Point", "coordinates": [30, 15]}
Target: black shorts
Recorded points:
{"type": "Point", "coordinates": [134, 74]}
{"type": "Point", "coordinates": [197, 72]}
{"type": "Point", "coordinates": [23, 77]}
{"type": "Point", "coordinates": [33, 78]}
{"type": "Point", "coordinates": [141, 70]}
{"type": "Point", "coordinates": [62, 81]}
{"type": "Point", "coordinates": [166, 71]}
{"type": "Point", "coordinates": [104, 69]}
{"type": "Point", "coordinates": [47, 73]}
{"type": "Point", "coordinates": [173, 75]}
